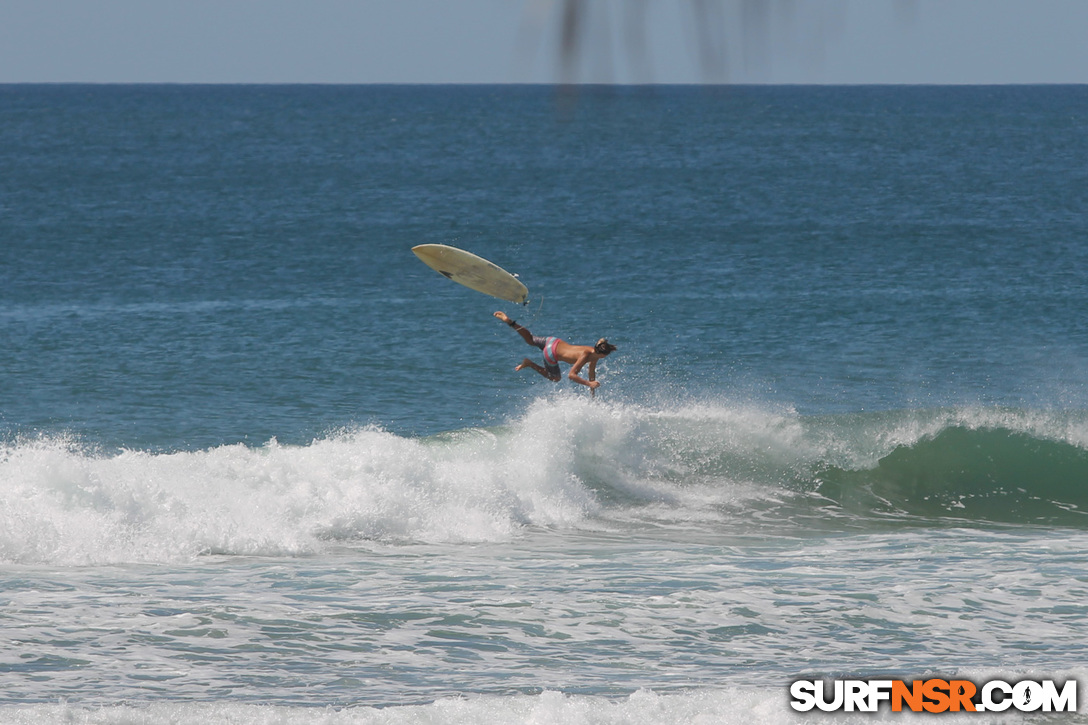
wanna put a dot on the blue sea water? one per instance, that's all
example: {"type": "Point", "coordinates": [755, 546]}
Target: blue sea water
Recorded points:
{"type": "Point", "coordinates": [259, 464]}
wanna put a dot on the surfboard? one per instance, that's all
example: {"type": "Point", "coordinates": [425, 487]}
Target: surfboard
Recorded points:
{"type": "Point", "coordinates": [473, 272]}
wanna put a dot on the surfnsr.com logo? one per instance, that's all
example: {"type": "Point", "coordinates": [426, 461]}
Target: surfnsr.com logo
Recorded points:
{"type": "Point", "coordinates": [933, 695]}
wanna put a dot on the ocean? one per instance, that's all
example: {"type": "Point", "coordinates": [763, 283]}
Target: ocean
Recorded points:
{"type": "Point", "coordinates": [258, 464]}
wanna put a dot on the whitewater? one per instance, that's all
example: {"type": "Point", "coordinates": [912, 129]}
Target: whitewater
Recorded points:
{"type": "Point", "coordinates": [569, 463]}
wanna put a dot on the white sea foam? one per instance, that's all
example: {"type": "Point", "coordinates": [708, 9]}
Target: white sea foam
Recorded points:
{"type": "Point", "coordinates": [551, 468]}
{"type": "Point", "coordinates": [547, 708]}
{"type": "Point", "coordinates": [65, 505]}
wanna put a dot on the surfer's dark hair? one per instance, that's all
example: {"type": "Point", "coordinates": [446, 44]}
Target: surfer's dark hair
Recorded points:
{"type": "Point", "coordinates": [603, 347]}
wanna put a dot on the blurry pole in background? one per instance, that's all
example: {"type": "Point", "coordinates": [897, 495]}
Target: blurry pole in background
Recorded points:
{"type": "Point", "coordinates": [748, 32]}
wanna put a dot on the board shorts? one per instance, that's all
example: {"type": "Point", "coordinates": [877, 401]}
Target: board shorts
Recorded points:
{"type": "Point", "coordinates": [551, 363]}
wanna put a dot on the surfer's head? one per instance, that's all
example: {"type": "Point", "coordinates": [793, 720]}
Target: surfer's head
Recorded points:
{"type": "Point", "coordinates": [603, 347]}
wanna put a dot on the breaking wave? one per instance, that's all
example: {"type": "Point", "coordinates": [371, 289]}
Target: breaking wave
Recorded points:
{"type": "Point", "coordinates": [565, 463]}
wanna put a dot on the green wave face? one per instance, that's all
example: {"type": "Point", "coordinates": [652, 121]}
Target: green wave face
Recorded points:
{"type": "Point", "coordinates": [997, 475]}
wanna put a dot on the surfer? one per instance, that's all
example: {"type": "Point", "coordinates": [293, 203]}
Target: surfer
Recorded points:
{"type": "Point", "coordinates": [557, 351]}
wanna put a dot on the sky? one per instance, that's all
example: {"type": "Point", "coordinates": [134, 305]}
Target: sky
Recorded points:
{"type": "Point", "coordinates": [518, 41]}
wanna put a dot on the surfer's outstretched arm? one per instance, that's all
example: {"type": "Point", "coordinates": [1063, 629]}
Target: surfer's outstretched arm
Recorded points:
{"type": "Point", "coordinates": [584, 358]}
{"type": "Point", "coordinates": [525, 334]}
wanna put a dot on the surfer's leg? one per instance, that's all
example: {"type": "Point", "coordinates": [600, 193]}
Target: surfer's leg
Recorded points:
{"type": "Point", "coordinates": [527, 363]}
{"type": "Point", "coordinates": [503, 317]}
{"type": "Point", "coordinates": [525, 334]}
